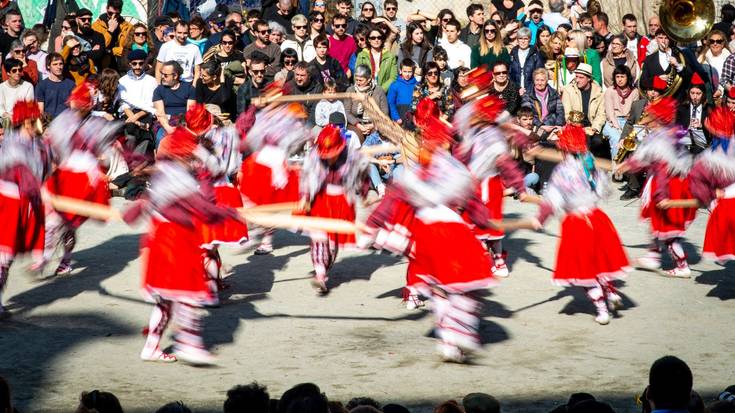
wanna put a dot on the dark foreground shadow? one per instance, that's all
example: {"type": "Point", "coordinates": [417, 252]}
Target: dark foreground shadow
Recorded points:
{"type": "Point", "coordinates": [723, 281]}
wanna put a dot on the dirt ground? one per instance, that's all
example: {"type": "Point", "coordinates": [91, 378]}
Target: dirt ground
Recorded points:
{"type": "Point", "coordinates": [83, 331]}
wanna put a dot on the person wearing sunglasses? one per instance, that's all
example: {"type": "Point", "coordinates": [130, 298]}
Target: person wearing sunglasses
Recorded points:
{"type": "Point", "coordinates": [433, 88]}
{"type": "Point", "coordinates": [264, 45]}
{"type": "Point", "coordinates": [714, 54]}
{"type": "Point", "coordinates": [138, 39]}
{"type": "Point", "coordinates": [228, 57]}
{"type": "Point", "coordinates": [341, 44]}
{"type": "Point", "coordinates": [490, 48]}
{"type": "Point", "coordinates": [113, 27]}
{"type": "Point", "coordinates": [344, 8]}
{"type": "Point", "coordinates": [390, 11]}
{"type": "Point", "coordinates": [504, 88]}
{"type": "Point", "coordinates": [77, 63]}
{"type": "Point", "coordinates": [30, 70]}
{"type": "Point", "coordinates": [382, 62]}
{"type": "Point", "coordinates": [316, 24]}
{"type": "Point", "coordinates": [136, 103]}
{"type": "Point", "coordinates": [289, 58]}
{"type": "Point", "coordinates": [300, 42]}
{"type": "Point", "coordinates": [92, 42]}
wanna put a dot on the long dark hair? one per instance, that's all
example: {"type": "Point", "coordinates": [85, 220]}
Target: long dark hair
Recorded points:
{"type": "Point", "coordinates": [407, 45]}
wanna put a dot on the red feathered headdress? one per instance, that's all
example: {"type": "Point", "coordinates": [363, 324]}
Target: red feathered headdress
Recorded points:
{"type": "Point", "coordinates": [572, 139]}
{"type": "Point", "coordinates": [659, 84]}
{"type": "Point", "coordinates": [425, 109]}
{"type": "Point", "coordinates": [82, 97]}
{"type": "Point", "coordinates": [720, 122]}
{"type": "Point", "coordinates": [479, 81]}
{"type": "Point", "coordinates": [330, 142]}
{"type": "Point", "coordinates": [25, 110]}
{"type": "Point", "coordinates": [198, 119]}
{"type": "Point", "coordinates": [178, 145]}
{"type": "Point", "coordinates": [489, 108]}
{"type": "Point", "coordinates": [435, 133]}
{"type": "Point", "coordinates": [664, 110]}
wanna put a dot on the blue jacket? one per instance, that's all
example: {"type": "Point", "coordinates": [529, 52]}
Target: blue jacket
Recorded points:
{"type": "Point", "coordinates": [555, 115]}
{"type": "Point", "coordinates": [534, 60]}
{"type": "Point", "coordinates": [400, 93]}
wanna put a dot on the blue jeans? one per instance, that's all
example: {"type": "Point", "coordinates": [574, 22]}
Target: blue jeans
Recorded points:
{"type": "Point", "coordinates": [613, 135]}
{"type": "Point", "coordinates": [378, 177]}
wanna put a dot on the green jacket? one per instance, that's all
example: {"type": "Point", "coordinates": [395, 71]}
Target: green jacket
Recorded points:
{"type": "Point", "coordinates": [592, 58]}
{"type": "Point", "coordinates": [388, 70]}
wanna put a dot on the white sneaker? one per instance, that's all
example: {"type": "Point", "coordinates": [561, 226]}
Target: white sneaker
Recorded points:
{"type": "Point", "coordinates": [450, 353]}
{"type": "Point", "coordinates": [500, 270]}
{"type": "Point", "coordinates": [650, 261]}
{"type": "Point", "coordinates": [679, 272]}
{"type": "Point", "coordinates": [158, 356]}
{"type": "Point", "coordinates": [603, 318]}
{"type": "Point", "coordinates": [195, 356]}
{"type": "Point", "coordinates": [413, 302]}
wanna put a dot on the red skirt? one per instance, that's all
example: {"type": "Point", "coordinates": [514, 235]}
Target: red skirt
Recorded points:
{"type": "Point", "coordinates": [668, 223]}
{"type": "Point", "coordinates": [230, 231]}
{"type": "Point", "coordinates": [719, 239]}
{"type": "Point", "coordinates": [77, 185]}
{"type": "Point", "coordinates": [336, 207]}
{"type": "Point", "coordinates": [491, 191]}
{"type": "Point", "coordinates": [449, 255]}
{"type": "Point", "coordinates": [589, 249]}
{"type": "Point", "coordinates": [257, 187]}
{"type": "Point", "coordinates": [23, 225]}
{"type": "Point", "coordinates": [173, 262]}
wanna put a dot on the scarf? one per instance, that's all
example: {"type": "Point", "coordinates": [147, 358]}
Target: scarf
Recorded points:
{"type": "Point", "coordinates": [543, 97]}
{"type": "Point", "coordinates": [143, 47]}
{"type": "Point", "coordinates": [623, 94]}
{"type": "Point", "coordinates": [367, 90]}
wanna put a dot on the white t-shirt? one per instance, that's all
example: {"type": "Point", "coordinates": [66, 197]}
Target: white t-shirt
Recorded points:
{"type": "Point", "coordinates": [187, 56]}
{"type": "Point", "coordinates": [457, 52]}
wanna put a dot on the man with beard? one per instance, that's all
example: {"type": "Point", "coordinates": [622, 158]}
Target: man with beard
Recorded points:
{"type": "Point", "coordinates": [136, 98]}
{"type": "Point", "coordinates": [303, 84]}
{"type": "Point", "coordinates": [92, 42]}
{"type": "Point", "coordinates": [171, 98]}
{"type": "Point", "coordinates": [255, 83]}
{"type": "Point", "coordinates": [113, 27]}
{"type": "Point", "coordinates": [14, 26]}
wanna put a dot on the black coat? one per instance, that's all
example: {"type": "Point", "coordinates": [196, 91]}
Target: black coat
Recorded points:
{"type": "Point", "coordinates": [683, 115]}
{"type": "Point", "coordinates": [534, 60]}
{"type": "Point", "coordinates": [652, 68]}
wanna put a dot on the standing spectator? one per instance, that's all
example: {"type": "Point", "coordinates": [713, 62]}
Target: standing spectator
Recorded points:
{"type": "Point", "coordinates": [578, 39]}
{"type": "Point", "coordinates": [13, 27]}
{"type": "Point", "coordinates": [30, 70]}
{"type": "Point", "coordinates": [690, 115]}
{"type": "Point", "coordinates": [472, 33]}
{"type": "Point", "coordinates": [505, 88]}
{"type": "Point", "coordinates": [198, 34]}
{"type": "Point", "coordinates": [288, 62]}
{"type": "Point", "coordinates": [186, 55]}
{"type": "Point", "coordinates": [367, 13]}
{"type": "Point", "coordinates": [649, 41]}
{"type": "Point", "coordinates": [278, 33]}
{"type": "Point", "coordinates": [382, 62]}
{"type": "Point", "coordinates": [524, 60]}
{"type": "Point", "coordinates": [633, 39]}
{"type": "Point", "coordinates": [215, 89]}
{"type": "Point", "coordinates": [138, 39]}
{"type": "Point", "coordinates": [78, 64]}
{"type": "Point", "coordinates": [254, 84]}
{"type": "Point", "coordinates": [548, 112]}
{"type": "Point", "coordinates": [114, 29]}
{"type": "Point", "coordinates": [669, 385]}
{"type": "Point", "coordinates": [355, 111]}
{"type": "Point", "coordinates": [619, 98]}
{"type": "Point", "coordinates": [282, 14]}
{"type": "Point", "coordinates": [136, 89]}
{"type": "Point", "coordinates": [618, 55]}
{"type": "Point", "coordinates": [436, 33]}
{"type": "Point", "coordinates": [400, 93]}
{"type": "Point", "coordinates": [160, 25]}
{"type": "Point", "coordinates": [325, 67]}
{"type": "Point", "coordinates": [34, 52]}
{"type": "Point", "coordinates": [431, 87]}
{"type": "Point", "coordinates": [415, 47]}
{"type": "Point", "coordinates": [52, 92]}
{"type": "Point", "coordinates": [316, 24]}
{"type": "Point", "coordinates": [172, 98]}
{"type": "Point", "coordinates": [300, 42]}
{"type": "Point", "coordinates": [390, 10]}
{"type": "Point", "coordinates": [535, 21]}
{"type": "Point", "coordinates": [341, 44]}
{"type": "Point", "coordinates": [263, 45]}
{"type": "Point", "coordinates": [458, 53]}
{"type": "Point", "coordinates": [584, 95]}
{"type": "Point", "coordinates": [344, 8]}
{"type": "Point", "coordinates": [600, 24]}
{"type": "Point", "coordinates": [490, 49]}
{"type": "Point", "coordinates": [13, 89]}
{"type": "Point", "coordinates": [93, 43]}
{"type": "Point", "coordinates": [303, 84]}
{"type": "Point", "coordinates": [716, 53]}
{"type": "Point", "coordinates": [554, 17]}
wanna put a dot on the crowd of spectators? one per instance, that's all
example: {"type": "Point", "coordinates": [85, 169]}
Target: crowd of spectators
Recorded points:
{"type": "Point", "coordinates": [669, 390]}
{"type": "Point", "coordinates": [545, 56]}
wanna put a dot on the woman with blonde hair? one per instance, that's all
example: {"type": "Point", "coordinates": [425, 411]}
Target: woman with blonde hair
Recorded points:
{"type": "Point", "coordinates": [491, 48]}
{"type": "Point", "coordinates": [554, 54]}
{"type": "Point", "coordinates": [138, 39]}
{"type": "Point", "coordinates": [578, 40]}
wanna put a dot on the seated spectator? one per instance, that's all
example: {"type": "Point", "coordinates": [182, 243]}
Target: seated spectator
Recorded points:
{"type": "Point", "coordinates": [618, 100]}
{"type": "Point", "coordinates": [338, 120]}
{"type": "Point", "coordinates": [174, 407]}
{"type": "Point", "coordinates": [416, 47]}
{"type": "Point", "coordinates": [32, 46]}
{"type": "Point", "coordinates": [172, 98]}
{"type": "Point", "coordinates": [360, 36]}
{"type": "Point", "coordinates": [431, 87]}
{"type": "Point", "coordinates": [362, 401]}
{"type": "Point", "coordinates": [98, 402]}
{"type": "Point", "coordinates": [504, 88]}
{"type": "Point", "coordinates": [30, 69]}
{"type": "Point", "coordinates": [446, 74]}
{"type": "Point", "coordinates": [281, 12]}
{"type": "Point", "coordinates": [690, 115]}
{"type": "Point", "coordinates": [548, 112]}
{"type": "Point", "coordinates": [585, 96]}
{"type": "Point", "coordinates": [289, 58]}
{"type": "Point", "coordinates": [669, 385]}
{"type": "Point", "coordinates": [138, 38]}
{"type": "Point", "coordinates": [198, 33]}
{"type": "Point", "coordinates": [480, 403]}
{"type": "Point", "coordinates": [400, 93]}
{"type": "Point", "coordinates": [136, 89]}
{"type": "Point", "coordinates": [68, 27]}
{"type": "Point", "coordinates": [618, 55]}
{"type": "Point", "coordinates": [382, 61]}
{"type": "Point", "coordinates": [264, 45]}
{"type": "Point", "coordinates": [316, 23]}
{"type": "Point", "coordinates": [278, 33]}
{"type": "Point", "coordinates": [365, 84]}
{"type": "Point", "coordinates": [226, 55]}
{"type": "Point", "coordinates": [78, 64]}
{"type": "Point", "coordinates": [300, 42]}
{"type": "Point", "coordinates": [460, 83]}
{"type": "Point", "coordinates": [13, 89]}
{"type": "Point", "coordinates": [252, 398]}
{"type": "Point", "coordinates": [524, 60]}
{"type": "Point", "coordinates": [303, 84]}
{"type": "Point", "coordinates": [383, 166]}
{"type": "Point", "coordinates": [325, 107]}
{"type": "Point", "coordinates": [52, 92]}
{"type": "Point", "coordinates": [107, 97]}
{"type": "Point", "coordinates": [569, 65]}
{"type": "Point", "coordinates": [490, 48]}
{"type": "Point", "coordinates": [344, 8]}
{"type": "Point", "coordinates": [255, 83]}
{"type": "Point", "coordinates": [325, 67]}
{"type": "Point", "coordinates": [591, 406]}
{"type": "Point", "coordinates": [93, 42]}
{"type": "Point", "coordinates": [213, 88]}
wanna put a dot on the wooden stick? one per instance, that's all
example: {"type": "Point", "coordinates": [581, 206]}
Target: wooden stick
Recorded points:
{"type": "Point", "coordinates": [515, 224]}
{"type": "Point", "coordinates": [681, 203]}
{"type": "Point", "coordinates": [378, 149]}
{"type": "Point", "coordinates": [263, 100]}
{"type": "Point", "coordinates": [552, 155]}
{"type": "Point", "coordinates": [330, 225]}
{"type": "Point", "coordinates": [85, 208]}
{"type": "Point", "coordinates": [278, 207]}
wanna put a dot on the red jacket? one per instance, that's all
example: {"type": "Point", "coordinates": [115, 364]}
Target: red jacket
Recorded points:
{"type": "Point", "coordinates": [643, 43]}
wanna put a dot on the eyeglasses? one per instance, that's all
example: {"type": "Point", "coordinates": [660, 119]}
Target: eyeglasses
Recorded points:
{"type": "Point", "coordinates": [319, 4]}
{"type": "Point", "coordinates": [432, 73]}
{"type": "Point", "coordinates": [15, 70]}
{"type": "Point", "coordinates": [264, 31]}
{"type": "Point", "coordinates": [490, 30]}
{"type": "Point", "coordinates": [139, 33]}
{"type": "Point", "coordinates": [339, 26]}
{"type": "Point", "coordinates": [368, 9]}
{"type": "Point", "coordinates": [85, 19]}
{"type": "Point", "coordinates": [65, 27]}
{"type": "Point", "coordinates": [227, 42]}
{"type": "Point", "coordinates": [258, 71]}
{"type": "Point", "coordinates": [717, 41]}
{"type": "Point", "coordinates": [446, 19]}
{"type": "Point", "coordinates": [299, 27]}
{"type": "Point", "coordinates": [171, 36]}
{"type": "Point", "coordinates": [19, 51]}
{"type": "Point", "coordinates": [318, 20]}
{"type": "Point", "coordinates": [589, 37]}
{"type": "Point", "coordinates": [498, 22]}
{"type": "Point", "coordinates": [391, 8]}
{"type": "Point", "coordinates": [503, 72]}
{"type": "Point", "coordinates": [375, 38]}
{"type": "Point", "coordinates": [289, 61]}
{"type": "Point", "coordinates": [137, 63]}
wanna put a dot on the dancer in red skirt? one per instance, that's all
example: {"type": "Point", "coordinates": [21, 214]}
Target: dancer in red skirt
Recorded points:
{"type": "Point", "coordinates": [265, 176]}
{"type": "Point", "coordinates": [173, 271]}
{"type": "Point", "coordinates": [24, 164]}
{"type": "Point", "coordinates": [666, 164]}
{"type": "Point", "coordinates": [78, 141]}
{"type": "Point", "coordinates": [590, 253]}
{"type": "Point", "coordinates": [331, 179]}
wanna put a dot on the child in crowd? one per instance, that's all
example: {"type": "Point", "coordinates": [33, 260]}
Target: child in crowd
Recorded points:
{"type": "Point", "coordinates": [325, 107]}
{"type": "Point", "coordinates": [326, 67]}
{"type": "Point", "coordinates": [400, 92]}
{"type": "Point", "coordinates": [441, 58]}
